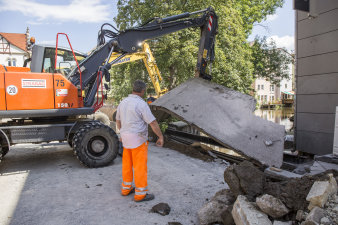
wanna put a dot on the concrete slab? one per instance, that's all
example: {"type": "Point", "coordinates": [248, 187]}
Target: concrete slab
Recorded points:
{"type": "Point", "coordinates": [226, 116]}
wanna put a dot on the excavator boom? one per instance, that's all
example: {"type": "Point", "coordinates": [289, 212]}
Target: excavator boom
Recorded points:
{"type": "Point", "coordinates": [150, 63]}
{"type": "Point", "coordinates": [130, 41]}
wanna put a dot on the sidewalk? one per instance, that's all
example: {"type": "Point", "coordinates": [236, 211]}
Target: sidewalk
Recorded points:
{"type": "Point", "coordinates": [46, 184]}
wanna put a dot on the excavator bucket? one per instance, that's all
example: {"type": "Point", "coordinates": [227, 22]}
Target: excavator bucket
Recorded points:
{"type": "Point", "coordinates": [226, 116]}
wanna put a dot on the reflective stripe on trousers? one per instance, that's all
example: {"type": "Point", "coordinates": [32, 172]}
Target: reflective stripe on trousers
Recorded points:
{"type": "Point", "coordinates": [135, 158]}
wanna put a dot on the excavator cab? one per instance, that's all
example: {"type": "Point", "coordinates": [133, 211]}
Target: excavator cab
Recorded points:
{"type": "Point", "coordinates": [43, 59]}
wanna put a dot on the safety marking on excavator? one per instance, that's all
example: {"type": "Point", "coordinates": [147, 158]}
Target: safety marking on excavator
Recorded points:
{"type": "Point", "coordinates": [33, 83]}
{"type": "Point", "coordinates": [210, 23]}
{"type": "Point", "coordinates": [12, 90]}
{"type": "Point", "coordinates": [61, 92]}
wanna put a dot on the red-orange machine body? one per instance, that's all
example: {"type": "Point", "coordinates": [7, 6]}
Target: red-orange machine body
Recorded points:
{"type": "Point", "coordinates": [23, 90]}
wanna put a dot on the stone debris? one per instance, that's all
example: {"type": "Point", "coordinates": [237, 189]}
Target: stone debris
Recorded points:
{"type": "Point", "coordinates": [309, 222]}
{"type": "Point", "coordinates": [245, 213]}
{"type": "Point", "coordinates": [161, 208]}
{"type": "Point", "coordinates": [218, 209]}
{"type": "Point", "coordinates": [245, 179]}
{"type": "Point", "coordinates": [281, 174]}
{"type": "Point", "coordinates": [316, 214]}
{"type": "Point", "coordinates": [174, 223]}
{"type": "Point", "coordinates": [300, 216]}
{"type": "Point", "coordinates": [271, 206]}
{"type": "Point", "coordinates": [320, 191]}
{"type": "Point", "coordinates": [276, 222]}
{"type": "Point", "coordinates": [325, 220]}
{"type": "Point", "coordinates": [271, 198]}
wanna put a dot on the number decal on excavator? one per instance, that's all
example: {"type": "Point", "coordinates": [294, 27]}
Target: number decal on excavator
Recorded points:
{"type": "Point", "coordinates": [12, 90]}
{"type": "Point", "coordinates": [60, 83]}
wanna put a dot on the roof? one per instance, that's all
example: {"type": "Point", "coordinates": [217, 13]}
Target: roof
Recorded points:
{"type": "Point", "coordinates": [19, 40]}
{"type": "Point", "coordinates": [288, 92]}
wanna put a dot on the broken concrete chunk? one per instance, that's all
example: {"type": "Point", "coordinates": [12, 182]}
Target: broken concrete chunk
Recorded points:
{"type": "Point", "coordinates": [318, 194]}
{"type": "Point", "coordinates": [218, 210]}
{"type": "Point", "coordinates": [224, 196]}
{"type": "Point", "coordinates": [227, 117]}
{"type": "Point", "coordinates": [300, 216]}
{"type": "Point", "coordinates": [333, 184]}
{"type": "Point", "coordinates": [316, 214]}
{"type": "Point", "coordinates": [281, 174]}
{"type": "Point", "coordinates": [161, 208]}
{"type": "Point", "coordinates": [325, 221]}
{"type": "Point", "coordinates": [232, 180]}
{"type": "Point", "coordinates": [245, 213]}
{"type": "Point", "coordinates": [272, 206]}
{"type": "Point", "coordinates": [320, 191]}
{"type": "Point", "coordinates": [245, 178]}
{"type": "Point", "coordinates": [309, 222]}
{"type": "Point", "coordinates": [276, 222]}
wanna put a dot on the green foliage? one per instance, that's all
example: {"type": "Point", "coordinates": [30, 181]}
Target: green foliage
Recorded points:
{"type": "Point", "coordinates": [176, 54]}
{"type": "Point", "coordinates": [270, 62]}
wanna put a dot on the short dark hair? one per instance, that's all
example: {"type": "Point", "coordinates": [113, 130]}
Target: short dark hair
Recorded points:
{"type": "Point", "coordinates": [139, 86]}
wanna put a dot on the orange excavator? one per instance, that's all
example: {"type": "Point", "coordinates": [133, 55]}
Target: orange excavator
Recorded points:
{"type": "Point", "coordinates": [42, 103]}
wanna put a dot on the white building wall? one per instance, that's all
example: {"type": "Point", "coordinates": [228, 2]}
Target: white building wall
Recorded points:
{"type": "Point", "coordinates": [265, 91]}
{"type": "Point", "coordinates": [286, 85]}
{"type": "Point", "coordinates": [16, 53]}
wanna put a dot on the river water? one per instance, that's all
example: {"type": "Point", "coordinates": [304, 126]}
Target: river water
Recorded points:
{"type": "Point", "coordinates": [280, 116]}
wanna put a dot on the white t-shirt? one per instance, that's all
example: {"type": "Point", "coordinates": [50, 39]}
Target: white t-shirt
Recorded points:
{"type": "Point", "coordinates": [135, 115]}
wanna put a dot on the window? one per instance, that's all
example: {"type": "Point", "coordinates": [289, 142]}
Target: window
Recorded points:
{"type": "Point", "coordinates": [265, 97]}
{"type": "Point", "coordinates": [262, 86]}
{"type": "Point", "coordinates": [65, 61]}
{"type": "Point", "coordinates": [11, 62]}
{"type": "Point", "coordinates": [286, 85]}
{"type": "Point", "coordinates": [258, 87]}
{"type": "Point", "coordinates": [272, 87]}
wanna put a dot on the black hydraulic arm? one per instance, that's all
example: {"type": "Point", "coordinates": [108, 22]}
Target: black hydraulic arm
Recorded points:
{"type": "Point", "coordinates": [130, 41]}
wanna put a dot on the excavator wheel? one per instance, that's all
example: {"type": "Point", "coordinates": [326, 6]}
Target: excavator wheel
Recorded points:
{"type": "Point", "coordinates": [3, 151]}
{"type": "Point", "coordinates": [95, 144]}
{"type": "Point", "coordinates": [4, 147]}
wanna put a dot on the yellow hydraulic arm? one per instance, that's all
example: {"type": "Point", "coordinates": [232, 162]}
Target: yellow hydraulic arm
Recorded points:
{"type": "Point", "coordinates": [150, 63]}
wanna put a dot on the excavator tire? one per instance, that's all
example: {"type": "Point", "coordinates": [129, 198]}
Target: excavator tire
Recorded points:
{"type": "Point", "coordinates": [3, 151]}
{"type": "Point", "coordinates": [4, 148]}
{"type": "Point", "coordinates": [95, 144]}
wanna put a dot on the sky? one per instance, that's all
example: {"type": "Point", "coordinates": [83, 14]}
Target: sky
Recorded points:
{"type": "Point", "coordinates": [82, 19]}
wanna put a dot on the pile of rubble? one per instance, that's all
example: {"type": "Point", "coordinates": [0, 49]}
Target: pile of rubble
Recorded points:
{"type": "Point", "coordinates": [266, 197]}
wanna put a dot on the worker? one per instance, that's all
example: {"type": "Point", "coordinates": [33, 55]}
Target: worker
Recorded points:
{"type": "Point", "coordinates": [132, 119]}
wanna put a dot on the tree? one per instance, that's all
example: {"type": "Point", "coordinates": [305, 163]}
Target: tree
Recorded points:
{"type": "Point", "coordinates": [270, 62]}
{"type": "Point", "coordinates": [176, 54]}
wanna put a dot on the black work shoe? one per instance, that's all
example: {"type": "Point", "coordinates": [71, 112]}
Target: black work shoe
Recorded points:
{"type": "Point", "coordinates": [147, 198]}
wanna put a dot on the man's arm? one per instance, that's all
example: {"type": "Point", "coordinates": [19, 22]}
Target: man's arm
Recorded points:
{"type": "Point", "coordinates": [156, 128]}
{"type": "Point", "coordinates": [118, 124]}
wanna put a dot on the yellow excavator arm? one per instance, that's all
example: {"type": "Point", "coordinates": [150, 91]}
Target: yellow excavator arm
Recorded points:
{"type": "Point", "coordinates": [150, 63]}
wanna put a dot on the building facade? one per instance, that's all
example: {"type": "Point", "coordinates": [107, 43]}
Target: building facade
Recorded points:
{"type": "Point", "coordinates": [14, 48]}
{"type": "Point", "coordinates": [268, 93]}
{"type": "Point", "coordinates": [316, 75]}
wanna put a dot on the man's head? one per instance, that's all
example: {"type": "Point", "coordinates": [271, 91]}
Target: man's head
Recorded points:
{"type": "Point", "coordinates": [139, 88]}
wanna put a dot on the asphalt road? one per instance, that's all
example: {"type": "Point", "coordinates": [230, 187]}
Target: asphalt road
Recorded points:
{"type": "Point", "coordinates": [45, 184]}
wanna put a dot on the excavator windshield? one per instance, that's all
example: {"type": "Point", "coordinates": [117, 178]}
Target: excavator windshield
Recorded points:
{"type": "Point", "coordinates": [65, 61]}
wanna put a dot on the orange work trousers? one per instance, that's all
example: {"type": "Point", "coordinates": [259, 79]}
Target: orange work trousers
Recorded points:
{"type": "Point", "coordinates": [135, 158]}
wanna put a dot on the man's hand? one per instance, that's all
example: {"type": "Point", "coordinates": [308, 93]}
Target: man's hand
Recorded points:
{"type": "Point", "coordinates": [156, 128]}
{"type": "Point", "coordinates": [160, 142]}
